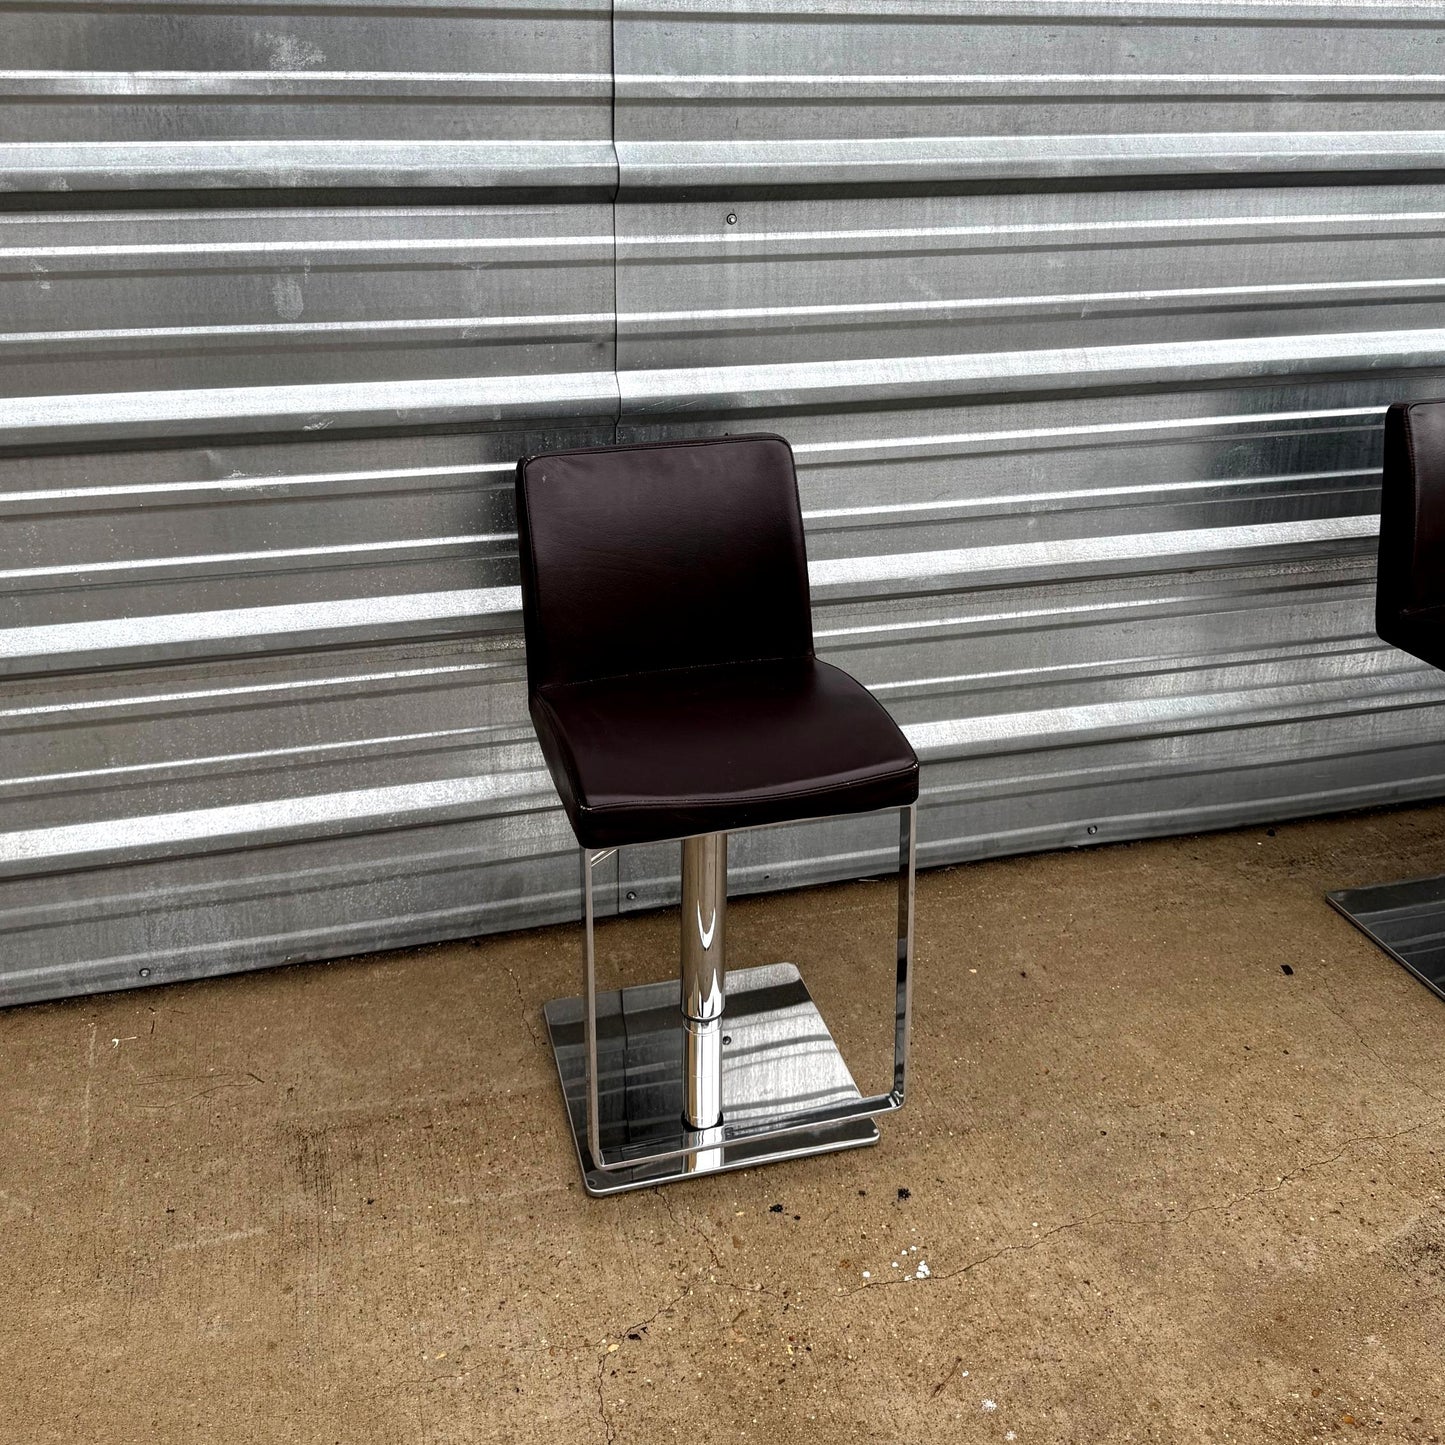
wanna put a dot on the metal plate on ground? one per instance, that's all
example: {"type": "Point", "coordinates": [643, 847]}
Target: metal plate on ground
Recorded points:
{"type": "Point", "coordinates": [1406, 919]}
{"type": "Point", "coordinates": [778, 1060]}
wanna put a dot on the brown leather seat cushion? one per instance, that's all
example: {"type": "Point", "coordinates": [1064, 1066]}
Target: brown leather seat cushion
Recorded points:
{"type": "Point", "coordinates": [670, 666]}
{"type": "Point", "coordinates": [705, 750]}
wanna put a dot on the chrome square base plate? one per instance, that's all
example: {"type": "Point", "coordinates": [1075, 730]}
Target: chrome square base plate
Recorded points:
{"type": "Point", "coordinates": [778, 1060]}
{"type": "Point", "coordinates": [1406, 919]}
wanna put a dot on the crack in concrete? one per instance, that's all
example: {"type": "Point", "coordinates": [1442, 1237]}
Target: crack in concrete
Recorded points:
{"type": "Point", "coordinates": [89, 1089]}
{"type": "Point", "coordinates": [606, 1354]}
{"type": "Point", "coordinates": [1391, 1070]}
{"type": "Point", "coordinates": [522, 1005]}
{"type": "Point", "coordinates": [720, 1272]}
{"type": "Point", "coordinates": [689, 1227]}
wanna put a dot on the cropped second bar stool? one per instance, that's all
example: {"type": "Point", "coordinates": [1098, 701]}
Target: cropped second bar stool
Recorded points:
{"type": "Point", "coordinates": [673, 685]}
{"type": "Point", "coordinates": [1407, 919]}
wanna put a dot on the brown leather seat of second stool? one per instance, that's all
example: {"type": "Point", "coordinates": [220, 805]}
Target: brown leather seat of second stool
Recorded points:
{"type": "Point", "coordinates": [707, 750]}
{"type": "Point", "coordinates": [1410, 592]}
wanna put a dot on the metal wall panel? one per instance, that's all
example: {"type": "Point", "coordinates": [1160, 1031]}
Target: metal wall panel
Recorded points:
{"type": "Point", "coordinates": [173, 321]}
{"type": "Point", "coordinates": [1081, 316]}
{"type": "Point", "coordinates": [322, 272]}
{"type": "Point", "coordinates": [146, 95]}
{"type": "Point", "coordinates": [885, 94]}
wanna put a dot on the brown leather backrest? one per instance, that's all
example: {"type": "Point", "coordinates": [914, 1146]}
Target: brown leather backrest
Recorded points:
{"type": "Point", "coordinates": [646, 558]}
{"type": "Point", "coordinates": [1412, 511]}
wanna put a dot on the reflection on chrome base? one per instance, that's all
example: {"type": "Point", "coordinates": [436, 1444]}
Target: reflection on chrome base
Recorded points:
{"type": "Point", "coordinates": [1406, 919]}
{"type": "Point", "coordinates": [778, 1059]}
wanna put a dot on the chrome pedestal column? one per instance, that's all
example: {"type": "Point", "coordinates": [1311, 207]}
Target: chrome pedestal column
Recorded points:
{"type": "Point", "coordinates": [704, 927]}
{"type": "Point", "coordinates": [1406, 919]}
{"type": "Point", "coordinates": [717, 1069]}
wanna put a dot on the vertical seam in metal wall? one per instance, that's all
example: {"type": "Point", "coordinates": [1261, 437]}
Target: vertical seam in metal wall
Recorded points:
{"type": "Point", "coordinates": [614, 866]}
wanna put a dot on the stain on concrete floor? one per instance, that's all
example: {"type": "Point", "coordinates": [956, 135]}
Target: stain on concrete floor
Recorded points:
{"type": "Point", "coordinates": [1164, 1190]}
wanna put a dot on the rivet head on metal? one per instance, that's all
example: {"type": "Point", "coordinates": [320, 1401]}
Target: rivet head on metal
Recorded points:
{"type": "Point", "coordinates": [145, 973]}
{"type": "Point", "coordinates": [631, 896]}
{"type": "Point", "coordinates": [727, 1038]}
{"type": "Point", "coordinates": [732, 218]}
{"type": "Point", "coordinates": [1093, 828]}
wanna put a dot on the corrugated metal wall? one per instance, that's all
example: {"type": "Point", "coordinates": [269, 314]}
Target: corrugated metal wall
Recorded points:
{"type": "Point", "coordinates": [1081, 315]}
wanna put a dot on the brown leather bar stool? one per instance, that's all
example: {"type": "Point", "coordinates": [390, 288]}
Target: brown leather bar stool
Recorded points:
{"type": "Point", "coordinates": [673, 685]}
{"type": "Point", "coordinates": [1407, 919]}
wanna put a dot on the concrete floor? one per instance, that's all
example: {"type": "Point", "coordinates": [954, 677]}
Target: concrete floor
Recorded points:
{"type": "Point", "coordinates": [1165, 1191]}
